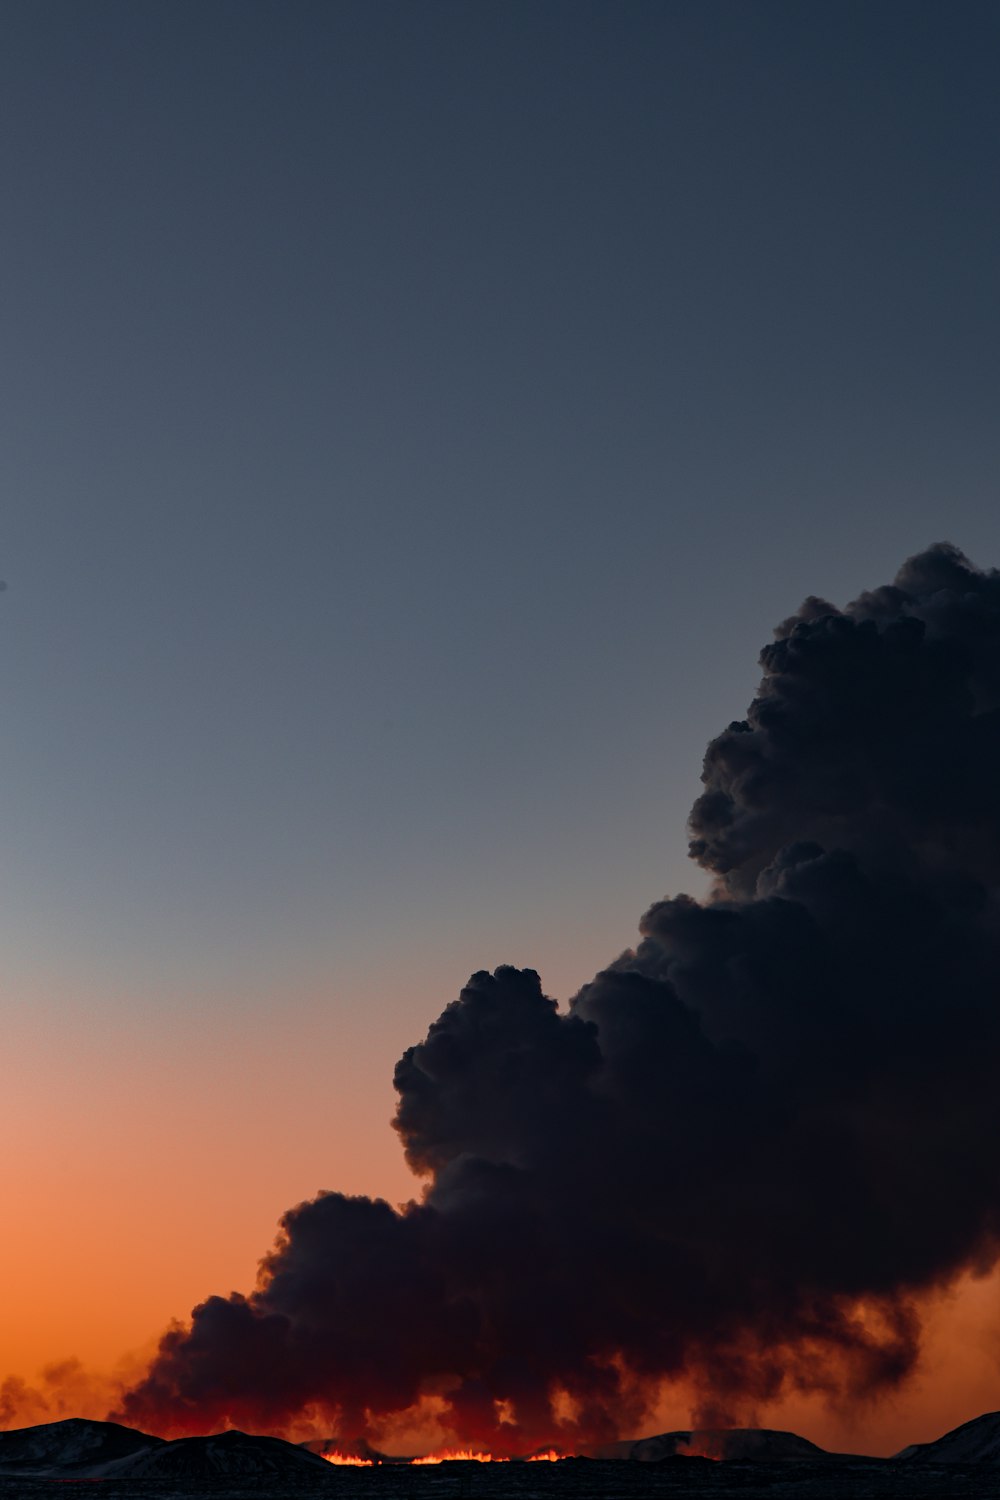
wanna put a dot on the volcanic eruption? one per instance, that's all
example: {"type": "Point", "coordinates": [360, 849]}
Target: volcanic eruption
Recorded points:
{"type": "Point", "coordinates": [746, 1148]}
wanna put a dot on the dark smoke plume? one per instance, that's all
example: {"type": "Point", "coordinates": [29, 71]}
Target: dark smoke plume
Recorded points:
{"type": "Point", "coordinates": [749, 1145]}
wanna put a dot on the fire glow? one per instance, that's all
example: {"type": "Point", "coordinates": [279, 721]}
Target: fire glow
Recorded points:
{"type": "Point", "coordinates": [459, 1455]}
{"type": "Point", "coordinates": [448, 1455]}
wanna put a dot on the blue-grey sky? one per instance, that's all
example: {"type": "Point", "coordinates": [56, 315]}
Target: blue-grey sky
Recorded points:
{"type": "Point", "coordinates": [416, 416]}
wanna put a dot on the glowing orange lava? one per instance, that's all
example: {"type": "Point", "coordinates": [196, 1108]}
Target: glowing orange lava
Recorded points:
{"type": "Point", "coordinates": [550, 1456]}
{"type": "Point", "coordinates": [349, 1459]}
{"type": "Point", "coordinates": [454, 1455]}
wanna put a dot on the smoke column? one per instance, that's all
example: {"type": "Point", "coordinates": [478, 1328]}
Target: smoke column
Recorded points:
{"type": "Point", "coordinates": [749, 1144]}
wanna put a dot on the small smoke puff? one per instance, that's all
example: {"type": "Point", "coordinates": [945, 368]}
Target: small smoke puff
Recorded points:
{"type": "Point", "coordinates": [746, 1147]}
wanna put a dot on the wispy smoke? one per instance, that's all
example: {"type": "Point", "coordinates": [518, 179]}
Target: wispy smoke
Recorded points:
{"type": "Point", "coordinates": [748, 1146]}
{"type": "Point", "coordinates": [65, 1388]}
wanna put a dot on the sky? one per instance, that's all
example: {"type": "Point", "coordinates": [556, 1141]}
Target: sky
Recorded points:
{"type": "Point", "coordinates": [416, 418]}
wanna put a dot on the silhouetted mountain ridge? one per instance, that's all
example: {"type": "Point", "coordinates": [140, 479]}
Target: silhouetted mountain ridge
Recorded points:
{"type": "Point", "coordinates": [975, 1442]}
{"type": "Point", "coordinates": [74, 1443]}
{"type": "Point", "coordinates": [221, 1453]}
{"type": "Point", "coordinates": [733, 1444]}
{"type": "Point", "coordinates": [83, 1449]}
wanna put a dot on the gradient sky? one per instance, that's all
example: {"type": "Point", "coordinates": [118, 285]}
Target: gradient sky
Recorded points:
{"type": "Point", "coordinates": [416, 416]}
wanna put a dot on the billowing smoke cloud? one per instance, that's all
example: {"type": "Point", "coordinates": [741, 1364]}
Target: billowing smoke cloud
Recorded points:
{"type": "Point", "coordinates": [749, 1145]}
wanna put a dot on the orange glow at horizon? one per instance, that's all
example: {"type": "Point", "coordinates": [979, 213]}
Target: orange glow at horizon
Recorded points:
{"type": "Point", "coordinates": [168, 1204]}
{"type": "Point", "coordinates": [348, 1460]}
{"type": "Point", "coordinates": [172, 1166]}
{"type": "Point", "coordinates": [956, 1381]}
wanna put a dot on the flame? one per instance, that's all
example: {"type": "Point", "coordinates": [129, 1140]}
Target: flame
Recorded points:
{"type": "Point", "coordinates": [446, 1455]}
{"type": "Point", "coordinates": [453, 1455]}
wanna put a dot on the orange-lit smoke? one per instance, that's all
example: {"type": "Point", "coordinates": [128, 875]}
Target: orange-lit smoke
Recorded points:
{"type": "Point", "coordinates": [64, 1388]}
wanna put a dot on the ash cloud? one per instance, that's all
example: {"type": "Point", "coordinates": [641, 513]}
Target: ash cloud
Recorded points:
{"type": "Point", "coordinates": [749, 1145]}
